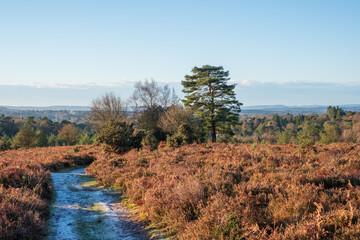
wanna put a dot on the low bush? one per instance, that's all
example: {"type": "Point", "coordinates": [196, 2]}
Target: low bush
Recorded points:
{"type": "Point", "coordinates": [174, 140]}
{"type": "Point", "coordinates": [184, 135]}
{"type": "Point", "coordinates": [119, 136]}
{"type": "Point", "coordinates": [150, 140]}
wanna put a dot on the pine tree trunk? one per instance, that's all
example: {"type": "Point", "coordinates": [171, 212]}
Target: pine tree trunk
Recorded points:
{"type": "Point", "coordinates": [213, 123]}
{"type": "Point", "coordinates": [213, 131]}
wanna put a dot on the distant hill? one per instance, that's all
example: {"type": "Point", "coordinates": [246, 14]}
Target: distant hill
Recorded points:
{"type": "Point", "coordinates": [76, 114]}
{"type": "Point", "coordinates": [282, 109]}
{"type": "Point", "coordinates": [49, 108]}
{"type": "Point", "coordinates": [79, 113]}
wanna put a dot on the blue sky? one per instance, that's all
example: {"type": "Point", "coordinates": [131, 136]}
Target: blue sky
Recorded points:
{"type": "Point", "coordinates": [279, 52]}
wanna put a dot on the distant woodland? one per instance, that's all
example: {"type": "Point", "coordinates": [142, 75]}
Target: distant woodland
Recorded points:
{"type": "Point", "coordinates": [76, 116]}
{"type": "Point", "coordinates": [32, 132]}
{"type": "Point", "coordinates": [334, 126]}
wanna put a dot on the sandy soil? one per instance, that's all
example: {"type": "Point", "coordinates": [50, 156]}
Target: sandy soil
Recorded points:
{"type": "Point", "coordinates": [82, 210]}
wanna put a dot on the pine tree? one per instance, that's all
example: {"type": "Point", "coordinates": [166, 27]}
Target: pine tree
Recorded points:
{"type": "Point", "coordinates": [208, 93]}
{"type": "Point", "coordinates": [26, 137]}
{"type": "Point", "coordinates": [85, 139]}
{"type": "Point", "coordinates": [331, 112]}
{"type": "Point", "coordinates": [41, 139]}
{"type": "Point", "coordinates": [5, 142]}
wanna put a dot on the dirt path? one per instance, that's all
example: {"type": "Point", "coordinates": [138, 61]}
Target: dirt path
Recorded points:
{"type": "Point", "coordinates": [81, 210]}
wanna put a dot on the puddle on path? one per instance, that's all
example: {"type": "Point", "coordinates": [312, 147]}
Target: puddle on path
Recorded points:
{"type": "Point", "coordinates": [81, 210]}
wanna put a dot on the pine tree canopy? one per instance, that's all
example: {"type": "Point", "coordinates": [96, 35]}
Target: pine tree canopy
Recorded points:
{"type": "Point", "coordinates": [208, 93]}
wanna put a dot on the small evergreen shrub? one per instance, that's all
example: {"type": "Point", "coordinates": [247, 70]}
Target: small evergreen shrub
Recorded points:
{"type": "Point", "coordinates": [137, 138]}
{"type": "Point", "coordinates": [76, 148]}
{"type": "Point", "coordinates": [5, 143]}
{"type": "Point", "coordinates": [174, 140]}
{"type": "Point", "coordinates": [150, 140]}
{"type": "Point", "coordinates": [118, 136]}
{"type": "Point", "coordinates": [186, 133]}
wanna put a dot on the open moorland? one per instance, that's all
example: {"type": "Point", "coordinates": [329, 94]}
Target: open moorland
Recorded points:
{"type": "Point", "coordinates": [200, 191]}
{"type": "Point", "coordinates": [242, 191]}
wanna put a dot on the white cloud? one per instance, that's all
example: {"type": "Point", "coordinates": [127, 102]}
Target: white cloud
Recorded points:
{"type": "Point", "coordinates": [85, 85]}
{"type": "Point", "coordinates": [126, 84]}
{"type": "Point", "coordinates": [245, 82]}
{"type": "Point", "coordinates": [118, 83]}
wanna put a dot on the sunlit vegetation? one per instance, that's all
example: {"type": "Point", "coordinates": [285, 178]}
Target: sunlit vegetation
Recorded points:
{"type": "Point", "coordinates": [18, 133]}
{"type": "Point", "coordinates": [25, 187]}
{"type": "Point", "coordinates": [304, 130]}
{"type": "Point", "coordinates": [242, 191]}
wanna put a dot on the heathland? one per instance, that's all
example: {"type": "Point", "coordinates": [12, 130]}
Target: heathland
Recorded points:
{"type": "Point", "coordinates": [200, 191]}
{"type": "Point", "coordinates": [242, 191]}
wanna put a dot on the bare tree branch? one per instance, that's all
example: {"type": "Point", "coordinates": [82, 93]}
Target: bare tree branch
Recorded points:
{"type": "Point", "coordinates": [105, 108]}
{"type": "Point", "coordinates": [149, 94]}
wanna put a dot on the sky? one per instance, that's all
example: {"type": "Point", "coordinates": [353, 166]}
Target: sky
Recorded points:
{"type": "Point", "coordinates": [298, 52]}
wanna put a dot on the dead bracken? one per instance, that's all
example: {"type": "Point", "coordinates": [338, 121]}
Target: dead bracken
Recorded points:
{"type": "Point", "coordinates": [200, 191]}
{"type": "Point", "coordinates": [238, 191]}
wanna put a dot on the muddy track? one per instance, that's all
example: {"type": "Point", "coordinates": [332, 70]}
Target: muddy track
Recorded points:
{"type": "Point", "coordinates": [81, 210]}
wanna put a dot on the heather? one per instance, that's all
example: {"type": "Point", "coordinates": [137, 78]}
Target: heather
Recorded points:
{"type": "Point", "coordinates": [25, 187]}
{"type": "Point", "coordinates": [241, 191]}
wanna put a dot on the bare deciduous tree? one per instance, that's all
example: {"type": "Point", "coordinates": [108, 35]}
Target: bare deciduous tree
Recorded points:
{"type": "Point", "coordinates": [149, 94]}
{"type": "Point", "coordinates": [105, 108]}
{"type": "Point", "coordinates": [173, 117]}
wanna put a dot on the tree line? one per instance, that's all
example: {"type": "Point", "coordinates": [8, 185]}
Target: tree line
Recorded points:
{"type": "Point", "coordinates": [334, 126]}
{"type": "Point", "coordinates": [42, 132]}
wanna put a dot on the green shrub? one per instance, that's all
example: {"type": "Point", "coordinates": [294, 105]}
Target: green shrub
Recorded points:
{"type": "Point", "coordinates": [41, 139]}
{"type": "Point", "coordinates": [118, 136]}
{"type": "Point", "coordinates": [150, 140]}
{"type": "Point", "coordinates": [331, 133]}
{"type": "Point", "coordinates": [5, 143]}
{"type": "Point", "coordinates": [137, 138]}
{"type": "Point", "coordinates": [286, 136]}
{"type": "Point", "coordinates": [305, 140]}
{"type": "Point", "coordinates": [76, 148]}
{"type": "Point", "coordinates": [52, 140]}
{"type": "Point", "coordinates": [253, 147]}
{"type": "Point", "coordinates": [186, 133]}
{"type": "Point", "coordinates": [174, 140]}
{"type": "Point", "coordinates": [85, 139]}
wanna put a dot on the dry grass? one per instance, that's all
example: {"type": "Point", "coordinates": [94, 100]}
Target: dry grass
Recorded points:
{"type": "Point", "coordinates": [240, 191]}
{"type": "Point", "coordinates": [25, 187]}
{"type": "Point", "coordinates": [215, 191]}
